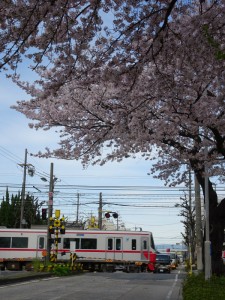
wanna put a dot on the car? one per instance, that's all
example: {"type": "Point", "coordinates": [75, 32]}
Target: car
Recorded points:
{"type": "Point", "coordinates": [180, 259]}
{"type": "Point", "coordinates": [162, 264]}
{"type": "Point", "coordinates": [173, 260]}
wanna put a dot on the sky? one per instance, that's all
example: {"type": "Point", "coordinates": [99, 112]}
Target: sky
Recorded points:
{"type": "Point", "coordinates": [140, 201]}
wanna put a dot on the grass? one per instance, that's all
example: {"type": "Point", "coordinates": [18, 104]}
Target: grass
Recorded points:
{"type": "Point", "coordinates": [59, 269]}
{"type": "Point", "coordinates": [197, 288]}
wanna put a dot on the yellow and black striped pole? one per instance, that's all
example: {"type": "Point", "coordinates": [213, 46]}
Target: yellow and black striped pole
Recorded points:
{"type": "Point", "coordinates": [73, 257]}
{"type": "Point", "coordinates": [57, 224]}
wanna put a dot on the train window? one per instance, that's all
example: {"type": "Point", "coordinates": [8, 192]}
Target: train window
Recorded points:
{"type": "Point", "coordinates": [41, 244]}
{"type": "Point", "coordinates": [20, 242]}
{"type": "Point", "coordinates": [66, 243]}
{"type": "Point", "coordinates": [152, 242]}
{"type": "Point", "coordinates": [5, 242]}
{"type": "Point", "coordinates": [110, 244]}
{"type": "Point", "coordinates": [145, 245]}
{"type": "Point", "coordinates": [88, 243]}
{"type": "Point", "coordinates": [118, 244]}
{"type": "Point", "coordinates": [133, 244]}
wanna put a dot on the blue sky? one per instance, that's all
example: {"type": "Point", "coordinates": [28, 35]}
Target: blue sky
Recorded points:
{"type": "Point", "coordinates": [124, 185]}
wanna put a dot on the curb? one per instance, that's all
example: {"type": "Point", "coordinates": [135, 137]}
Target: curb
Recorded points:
{"type": "Point", "coordinates": [22, 278]}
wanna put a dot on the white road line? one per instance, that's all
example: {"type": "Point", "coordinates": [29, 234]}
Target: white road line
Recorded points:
{"type": "Point", "coordinates": [27, 282]}
{"type": "Point", "coordinates": [174, 284]}
{"type": "Point", "coordinates": [17, 284]}
{"type": "Point", "coordinates": [49, 278]}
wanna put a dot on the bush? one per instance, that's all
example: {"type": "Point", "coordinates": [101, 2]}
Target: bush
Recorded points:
{"type": "Point", "coordinates": [36, 263]}
{"type": "Point", "coordinates": [61, 270]}
{"type": "Point", "coordinates": [197, 288]}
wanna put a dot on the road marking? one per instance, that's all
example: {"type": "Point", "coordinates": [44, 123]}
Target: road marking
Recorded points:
{"type": "Point", "coordinates": [174, 284]}
{"type": "Point", "coordinates": [27, 282]}
{"type": "Point", "coordinates": [15, 284]}
{"type": "Point", "coordinates": [49, 278]}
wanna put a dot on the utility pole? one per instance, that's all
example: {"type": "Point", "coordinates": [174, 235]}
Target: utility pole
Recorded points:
{"type": "Point", "coordinates": [23, 189]}
{"type": "Point", "coordinates": [50, 208]}
{"type": "Point", "coordinates": [190, 223]}
{"type": "Point", "coordinates": [198, 225]}
{"type": "Point", "coordinates": [78, 203]}
{"type": "Point", "coordinates": [207, 237]}
{"type": "Point", "coordinates": [100, 212]}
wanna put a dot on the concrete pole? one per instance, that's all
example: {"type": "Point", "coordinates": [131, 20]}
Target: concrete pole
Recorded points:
{"type": "Point", "coordinates": [190, 229]}
{"type": "Point", "coordinates": [100, 212]}
{"type": "Point", "coordinates": [207, 237]}
{"type": "Point", "coordinates": [23, 189]}
{"type": "Point", "coordinates": [50, 208]}
{"type": "Point", "coordinates": [78, 204]}
{"type": "Point", "coordinates": [198, 226]}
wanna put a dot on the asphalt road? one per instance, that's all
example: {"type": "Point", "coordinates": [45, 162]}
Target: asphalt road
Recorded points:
{"type": "Point", "coordinates": [96, 286]}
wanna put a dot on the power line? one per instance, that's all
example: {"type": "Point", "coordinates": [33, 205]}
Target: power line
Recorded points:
{"type": "Point", "coordinates": [17, 160]}
{"type": "Point", "coordinates": [9, 155]}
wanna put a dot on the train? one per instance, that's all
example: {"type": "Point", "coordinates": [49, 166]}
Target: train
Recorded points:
{"type": "Point", "coordinates": [96, 250]}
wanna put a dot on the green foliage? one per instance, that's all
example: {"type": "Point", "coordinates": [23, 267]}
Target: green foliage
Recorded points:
{"type": "Point", "coordinates": [61, 270]}
{"type": "Point", "coordinates": [58, 269]}
{"type": "Point", "coordinates": [197, 288]}
{"type": "Point", "coordinates": [38, 265]}
{"type": "Point", "coordinates": [187, 265]}
{"type": "Point", "coordinates": [10, 211]}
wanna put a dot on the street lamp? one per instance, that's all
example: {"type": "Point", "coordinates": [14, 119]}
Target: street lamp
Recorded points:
{"type": "Point", "coordinates": [43, 179]}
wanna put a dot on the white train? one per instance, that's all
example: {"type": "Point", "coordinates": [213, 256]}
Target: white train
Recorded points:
{"type": "Point", "coordinates": [95, 249]}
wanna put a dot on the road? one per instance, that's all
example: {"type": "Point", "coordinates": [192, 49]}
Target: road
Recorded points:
{"type": "Point", "coordinates": [99, 286]}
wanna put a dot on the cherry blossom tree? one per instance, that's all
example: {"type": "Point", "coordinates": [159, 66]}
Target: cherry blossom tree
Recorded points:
{"type": "Point", "coordinates": [117, 78]}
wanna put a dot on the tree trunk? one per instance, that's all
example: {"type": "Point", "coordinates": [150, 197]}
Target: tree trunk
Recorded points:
{"type": "Point", "coordinates": [216, 226]}
{"type": "Point", "coordinates": [217, 223]}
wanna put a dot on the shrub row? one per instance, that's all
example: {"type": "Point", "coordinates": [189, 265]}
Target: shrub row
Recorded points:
{"type": "Point", "coordinates": [197, 288]}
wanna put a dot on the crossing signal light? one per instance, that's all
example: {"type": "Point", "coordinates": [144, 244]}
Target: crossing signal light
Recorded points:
{"type": "Point", "coordinates": [107, 215]}
{"type": "Point", "coordinates": [44, 214]}
{"type": "Point", "coordinates": [62, 230]}
{"type": "Point", "coordinates": [115, 215]}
